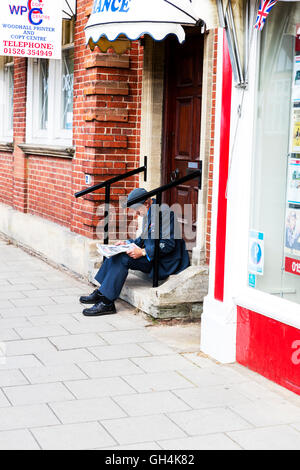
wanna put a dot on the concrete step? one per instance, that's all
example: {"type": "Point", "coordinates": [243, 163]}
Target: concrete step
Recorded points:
{"type": "Point", "coordinates": [179, 297]}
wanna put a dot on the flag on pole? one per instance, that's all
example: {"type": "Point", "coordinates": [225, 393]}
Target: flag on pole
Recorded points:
{"type": "Point", "coordinates": [264, 9]}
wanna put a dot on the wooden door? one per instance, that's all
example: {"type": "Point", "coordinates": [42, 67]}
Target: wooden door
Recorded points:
{"type": "Point", "coordinates": [182, 122]}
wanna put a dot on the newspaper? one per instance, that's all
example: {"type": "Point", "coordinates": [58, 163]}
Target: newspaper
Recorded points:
{"type": "Point", "coordinates": [112, 250]}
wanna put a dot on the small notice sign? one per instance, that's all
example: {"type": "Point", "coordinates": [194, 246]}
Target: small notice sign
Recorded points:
{"type": "Point", "coordinates": [256, 253]}
{"type": "Point", "coordinates": [252, 280]}
{"type": "Point", "coordinates": [31, 28]}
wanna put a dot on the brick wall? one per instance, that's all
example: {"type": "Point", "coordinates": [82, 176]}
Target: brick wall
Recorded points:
{"type": "Point", "coordinates": [107, 121]}
{"type": "Point", "coordinates": [106, 130]}
{"type": "Point", "coordinates": [19, 159]}
{"type": "Point", "coordinates": [106, 135]}
{"type": "Point", "coordinates": [50, 188]}
{"type": "Point", "coordinates": [6, 177]}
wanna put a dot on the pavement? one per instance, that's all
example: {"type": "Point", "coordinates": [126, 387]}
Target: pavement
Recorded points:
{"type": "Point", "coordinates": [120, 381]}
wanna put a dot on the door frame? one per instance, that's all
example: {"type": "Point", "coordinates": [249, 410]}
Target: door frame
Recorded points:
{"type": "Point", "coordinates": [166, 163]}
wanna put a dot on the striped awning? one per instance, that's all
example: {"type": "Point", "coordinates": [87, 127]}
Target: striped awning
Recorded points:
{"type": "Point", "coordinates": [112, 19]}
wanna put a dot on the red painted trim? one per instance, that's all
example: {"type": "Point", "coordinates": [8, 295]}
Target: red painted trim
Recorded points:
{"type": "Point", "coordinates": [269, 347]}
{"type": "Point", "coordinates": [292, 266]}
{"type": "Point", "coordinates": [223, 173]}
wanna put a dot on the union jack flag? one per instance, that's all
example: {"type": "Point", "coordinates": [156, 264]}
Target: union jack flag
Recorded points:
{"type": "Point", "coordinates": [264, 9]}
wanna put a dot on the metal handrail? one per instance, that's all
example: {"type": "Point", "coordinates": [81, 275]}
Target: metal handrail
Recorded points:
{"type": "Point", "coordinates": [158, 193]}
{"type": "Point", "coordinates": [107, 185]}
{"type": "Point", "coordinates": [155, 192]}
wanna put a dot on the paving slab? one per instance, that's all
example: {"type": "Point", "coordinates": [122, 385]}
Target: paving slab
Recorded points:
{"type": "Point", "coordinates": [211, 442]}
{"type": "Point", "coordinates": [98, 388]}
{"type": "Point", "coordinates": [83, 436]}
{"type": "Point", "coordinates": [157, 382]}
{"type": "Point", "coordinates": [25, 417]}
{"type": "Point", "coordinates": [37, 394]}
{"type": "Point", "coordinates": [114, 368]}
{"type": "Point", "coordinates": [50, 374]}
{"type": "Point", "coordinates": [86, 340]}
{"type": "Point", "coordinates": [120, 382]}
{"type": "Point", "coordinates": [10, 378]}
{"type": "Point", "coordinates": [18, 440]}
{"type": "Point", "coordinates": [211, 397]}
{"type": "Point", "coordinates": [25, 347]}
{"type": "Point", "coordinates": [208, 421]}
{"type": "Point", "coordinates": [123, 351]}
{"type": "Point", "coordinates": [150, 403]}
{"type": "Point", "coordinates": [83, 411]}
{"type": "Point", "coordinates": [142, 429]}
{"type": "Point", "coordinates": [269, 438]}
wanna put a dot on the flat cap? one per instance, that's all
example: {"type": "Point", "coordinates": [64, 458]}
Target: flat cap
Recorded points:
{"type": "Point", "coordinates": [135, 194]}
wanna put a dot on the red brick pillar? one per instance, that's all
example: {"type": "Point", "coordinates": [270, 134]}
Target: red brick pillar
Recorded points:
{"type": "Point", "coordinates": [20, 161]}
{"type": "Point", "coordinates": [107, 120]}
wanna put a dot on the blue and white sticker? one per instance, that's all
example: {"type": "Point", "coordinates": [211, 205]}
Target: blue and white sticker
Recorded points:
{"type": "Point", "coordinates": [256, 253]}
{"type": "Point", "coordinates": [252, 280]}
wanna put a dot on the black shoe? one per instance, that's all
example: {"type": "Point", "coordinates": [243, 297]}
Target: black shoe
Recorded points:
{"type": "Point", "coordinates": [94, 298]}
{"type": "Point", "coordinates": [100, 309]}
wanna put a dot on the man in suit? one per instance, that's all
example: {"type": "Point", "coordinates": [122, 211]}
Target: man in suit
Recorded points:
{"type": "Point", "coordinates": [173, 257]}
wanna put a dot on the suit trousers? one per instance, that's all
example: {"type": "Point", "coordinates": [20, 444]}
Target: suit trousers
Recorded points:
{"type": "Point", "coordinates": [114, 271]}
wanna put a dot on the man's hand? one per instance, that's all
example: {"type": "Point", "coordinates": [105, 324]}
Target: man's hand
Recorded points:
{"type": "Point", "coordinates": [120, 243]}
{"type": "Point", "coordinates": [135, 253]}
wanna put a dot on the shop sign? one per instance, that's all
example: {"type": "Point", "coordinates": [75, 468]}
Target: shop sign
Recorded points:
{"type": "Point", "coordinates": [292, 266]}
{"type": "Point", "coordinates": [256, 253]}
{"type": "Point", "coordinates": [31, 28]}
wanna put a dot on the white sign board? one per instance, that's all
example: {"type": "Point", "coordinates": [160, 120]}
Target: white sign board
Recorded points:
{"type": "Point", "coordinates": [31, 28]}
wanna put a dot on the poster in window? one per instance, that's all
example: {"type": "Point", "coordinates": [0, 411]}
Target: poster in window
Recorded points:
{"type": "Point", "coordinates": [296, 133]}
{"type": "Point", "coordinates": [293, 184]}
{"type": "Point", "coordinates": [296, 84]}
{"type": "Point", "coordinates": [292, 232]}
{"type": "Point", "coordinates": [292, 218]}
{"type": "Point", "coordinates": [295, 108]}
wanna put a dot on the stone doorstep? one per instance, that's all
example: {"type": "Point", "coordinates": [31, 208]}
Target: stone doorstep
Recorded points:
{"type": "Point", "coordinates": [179, 297]}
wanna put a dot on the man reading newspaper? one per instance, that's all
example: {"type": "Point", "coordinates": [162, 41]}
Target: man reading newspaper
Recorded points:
{"type": "Point", "coordinates": [173, 257]}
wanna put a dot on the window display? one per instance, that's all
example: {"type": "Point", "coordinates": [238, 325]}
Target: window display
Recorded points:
{"type": "Point", "coordinates": [276, 163]}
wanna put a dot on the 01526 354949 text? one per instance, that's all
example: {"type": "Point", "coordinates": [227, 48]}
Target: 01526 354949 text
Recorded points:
{"type": "Point", "coordinates": [30, 52]}
{"type": "Point", "coordinates": [28, 48]}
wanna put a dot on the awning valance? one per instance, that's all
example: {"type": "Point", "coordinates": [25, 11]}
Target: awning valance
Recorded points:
{"type": "Point", "coordinates": [135, 18]}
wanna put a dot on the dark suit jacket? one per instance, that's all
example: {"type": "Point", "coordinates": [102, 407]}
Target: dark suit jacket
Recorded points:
{"type": "Point", "coordinates": [173, 255]}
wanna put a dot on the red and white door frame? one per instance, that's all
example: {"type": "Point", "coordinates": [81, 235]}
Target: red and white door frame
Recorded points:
{"type": "Point", "coordinates": [217, 333]}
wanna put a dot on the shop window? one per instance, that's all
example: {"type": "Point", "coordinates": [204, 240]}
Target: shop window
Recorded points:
{"type": "Point", "coordinates": [274, 247]}
{"type": "Point", "coordinates": [50, 111]}
{"type": "Point", "coordinates": [6, 98]}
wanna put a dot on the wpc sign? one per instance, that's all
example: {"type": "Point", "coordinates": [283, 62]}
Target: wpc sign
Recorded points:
{"type": "Point", "coordinates": [31, 28]}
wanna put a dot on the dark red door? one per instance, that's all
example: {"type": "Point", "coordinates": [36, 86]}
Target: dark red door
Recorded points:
{"type": "Point", "coordinates": [183, 93]}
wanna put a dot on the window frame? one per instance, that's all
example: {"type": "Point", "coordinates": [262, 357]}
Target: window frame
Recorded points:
{"type": "Point", "coordinates": [6, 132]}
{"type": "Point", "coordinates": [54, 134]}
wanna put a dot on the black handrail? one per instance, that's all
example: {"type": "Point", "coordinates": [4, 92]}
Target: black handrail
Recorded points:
{"type": "Point", "coordinates": [107, 184]}
{"type": "Point", "coordinates": [158, 193]}
{"type": "Point", "coordinates": [197, 174]}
